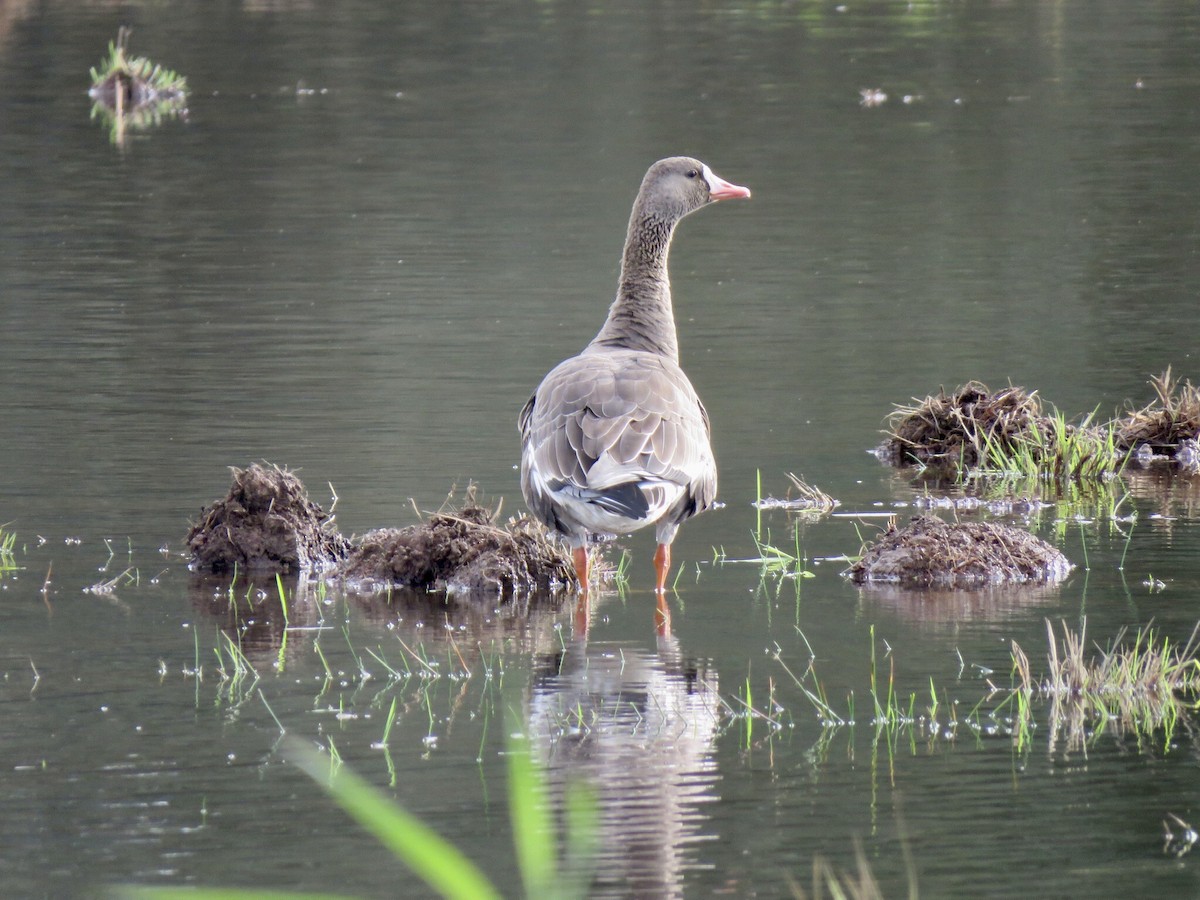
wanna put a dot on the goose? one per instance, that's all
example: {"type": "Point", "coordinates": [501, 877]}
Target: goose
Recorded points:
{"type": "Point", "coordinates": [615, 439]}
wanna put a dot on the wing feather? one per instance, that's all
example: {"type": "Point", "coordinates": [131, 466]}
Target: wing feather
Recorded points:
{"type": "Point", "coordinates": [635, 411]}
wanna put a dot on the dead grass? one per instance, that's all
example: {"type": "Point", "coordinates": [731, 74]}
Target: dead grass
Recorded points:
{"type": "Point", "coordinates": [952, 432]}
{"type": "Point", "coordinates": [977, 430]}
{"type": "Point", "coordinates": [1167, 424]}
{"type": "Point", "coordinates": [267, 524]}
{"type": "Point", "coordinates": [808, 500]}
{"type": "Point", "coordinates": [930, 552]}
{"type": "Point", "coordinates": [463, 552]}
{"type": "Point", "coordinates": [1139, 685]}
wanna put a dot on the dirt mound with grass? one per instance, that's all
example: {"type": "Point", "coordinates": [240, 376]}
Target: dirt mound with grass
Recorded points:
{"type": "Point", "coordinates": [1009, 430]}
{"type": "Point", "coordinates": [930, 552]}
{"type": "Point", "coordinates": [265, 524]}
{"type": "Point", "coordinates": [1167, 428]}
{"type": "Point", "coordinates": [463, 552]}
{"type": "Point", "coordinates": [953, 431]}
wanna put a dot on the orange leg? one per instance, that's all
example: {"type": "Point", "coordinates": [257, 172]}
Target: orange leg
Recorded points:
{"type": "Point", "coordinates": [662, 566]}
{"type": "Point", "coordinates": [580, 556]}
{"type": "Point", "coordinates": [582, 606]}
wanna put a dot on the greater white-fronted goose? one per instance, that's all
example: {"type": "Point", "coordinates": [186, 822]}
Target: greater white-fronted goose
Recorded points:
{"type": "Point", "coordinates": [615, 439]}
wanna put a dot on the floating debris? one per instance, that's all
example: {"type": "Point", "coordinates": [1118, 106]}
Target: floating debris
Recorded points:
{"type": "Point", "coordinates": [134, 92]}
{"type": "Point", "coordinates": [1178, 844]}
{"type": "Point", "coordinates": [872, 97]}
{"type": "Point", "coordinates": [265, 524]}
{"type": "Point", "coordinates": [808, 499]}
{"type": "Point", "coordinates": [931, 552]}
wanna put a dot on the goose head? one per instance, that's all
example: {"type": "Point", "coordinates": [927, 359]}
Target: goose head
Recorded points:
{"type": "Point", "coordinates": [679, 185]}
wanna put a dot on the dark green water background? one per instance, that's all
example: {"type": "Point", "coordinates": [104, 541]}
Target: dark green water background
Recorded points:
{"type": "Point", "coordinates": [365, 282]}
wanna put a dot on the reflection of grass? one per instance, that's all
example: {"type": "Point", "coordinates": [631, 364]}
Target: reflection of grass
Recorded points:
{"type": "Point", "coordinates": [845, 886]}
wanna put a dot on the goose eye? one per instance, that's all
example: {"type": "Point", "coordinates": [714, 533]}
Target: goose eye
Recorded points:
{"type": "Point", "coordinates": [692, 173]}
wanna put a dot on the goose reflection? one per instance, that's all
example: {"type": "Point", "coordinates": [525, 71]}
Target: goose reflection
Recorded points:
{"type": "Point", "coordinates": [638, 725]}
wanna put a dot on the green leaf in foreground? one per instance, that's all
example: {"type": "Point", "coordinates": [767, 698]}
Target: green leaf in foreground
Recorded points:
{"type": "Point", "coordinates": [534, 834]}
{"type": "Point", "coordinates": [439, 863]}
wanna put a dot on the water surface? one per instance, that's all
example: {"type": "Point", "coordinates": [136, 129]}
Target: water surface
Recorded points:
{"type": "Point", "coordinates": [365, 282]}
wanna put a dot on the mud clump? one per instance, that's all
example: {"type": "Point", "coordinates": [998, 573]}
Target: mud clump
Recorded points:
{"type": "Point", "coordinates": [463, 552]}
{"type": "Point", "coordinates": [265, 524]}
{"type": "Point", "coordinates": [929, 552]}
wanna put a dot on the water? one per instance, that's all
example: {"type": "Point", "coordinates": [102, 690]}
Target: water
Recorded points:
{"type": "Point", "coordinates": [365, 283]}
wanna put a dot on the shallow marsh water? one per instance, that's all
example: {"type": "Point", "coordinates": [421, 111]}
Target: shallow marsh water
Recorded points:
{"type": "Point", "coordinates": [365, 283]}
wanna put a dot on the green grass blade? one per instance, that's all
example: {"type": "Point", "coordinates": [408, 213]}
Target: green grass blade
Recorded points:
{"type": "Point", "coordinates": [530, 813]}
{"type": "Point", "coordinates": [583, 829]}
{"type": "Point", "coordinates": [440, 864]}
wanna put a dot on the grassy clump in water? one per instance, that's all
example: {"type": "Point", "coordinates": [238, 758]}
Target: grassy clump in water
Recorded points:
{"type": "Point", "coordinates": [1140, 686]}
{"type": "Point", "coordinates": [133, 92]}
{"type": "Point", "coordinates": [1168, 426]}
{"type": "Point", "coordinates": [931, 552]}
{"type": "Point", "coordinates": [975, 429]}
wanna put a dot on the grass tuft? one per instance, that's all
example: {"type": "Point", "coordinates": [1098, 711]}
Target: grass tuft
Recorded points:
{"type": "Point", "coordinates": [8, 543]}
{"type": "Point", "coordinates": [1142, 684]}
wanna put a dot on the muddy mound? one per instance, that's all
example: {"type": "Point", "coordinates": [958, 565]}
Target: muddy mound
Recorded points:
{"type": "Point", "coordinates": [930, 552]}
{"type": "Point", "coordinates": [1168, 427]}
{"type": "Point", "coordinates": [955, 431]}
{"type": "Point", "coordinates": [460, 552]}
{"type": "Point", "coordinates": [265, 524]}
{"type": "Point", "coordinates": [268, 525]}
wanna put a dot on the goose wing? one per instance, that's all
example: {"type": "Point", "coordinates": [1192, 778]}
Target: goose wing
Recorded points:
{"type": "Point", "coordinates": [604, 422]}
